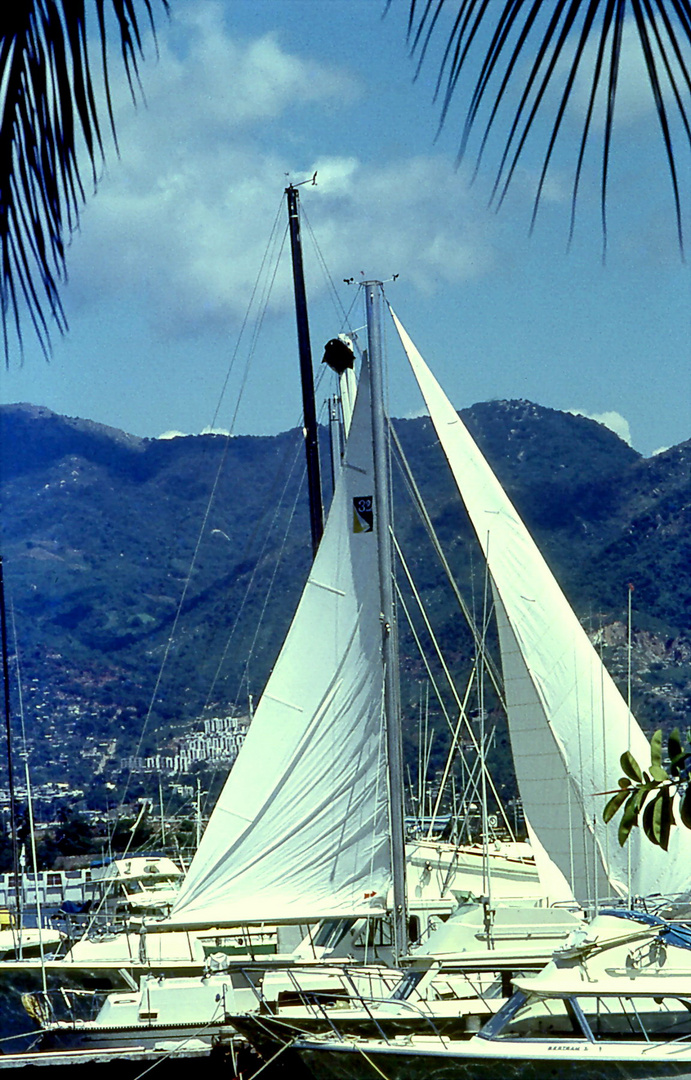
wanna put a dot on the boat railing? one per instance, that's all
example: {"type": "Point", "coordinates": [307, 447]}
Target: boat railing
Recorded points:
{"type": "Point", "coordinates": [382, 982]}
{"type": "Point", "coordinates": [668, 1042]}
{"type": "Point", "coordinates": [644, 1022]}
{"type": "Point", "coordinates": [334, 1004]}
{"type": "Point", "coordinates": [316, 1003]}
{"type": "Point", "coordinates": [78, 925]}
{"type": "Point", "coordinates": [369, 1006]}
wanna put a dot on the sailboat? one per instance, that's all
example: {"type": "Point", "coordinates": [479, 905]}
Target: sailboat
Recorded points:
{"type": "Point", "coordinates": [568, 721]}
{"type": "Point", "coordinates": [301, 836]}
{"type": "Point", "coordinates": [313, 758]}
{"type": "Point", "coordinates": [568, 725]}
{"type": "Point", "coordinates": [302, 831]}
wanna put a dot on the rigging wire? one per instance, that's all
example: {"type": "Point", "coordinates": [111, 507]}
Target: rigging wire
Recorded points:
{"type": "Point", "coordinates": [266, 290]}
{"type": "Point", "coordinates": [418, 502]}
{"type": "Point", "coordinates": [472, 783]}
{"type": "Point", "coordinates": [486, 874]}
{"type": "Point", "coordinates": [455, 745]}
{"type": "Point", "coordinates": [244, 675]}
{"type": "Point", "coordinates": [259, 278]}
{"type": "Point", "coordinates": [277, 506]}
{"type": "Point", "coordinates": [272, 258]}
{"type": "Point", "coordinates": [331, 287]}
{"type": "Point", "coordinates": [459, 704]}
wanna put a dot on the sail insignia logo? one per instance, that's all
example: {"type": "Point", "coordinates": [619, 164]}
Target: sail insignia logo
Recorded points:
{"type": "Point", "coordinates": [363, 514]}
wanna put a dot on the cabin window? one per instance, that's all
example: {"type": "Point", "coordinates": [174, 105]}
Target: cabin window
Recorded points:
{"type": "Point", "coordinates": [646, 1018]}
{"type": "Point", "coordinates": [408, 983]}
{"type": "Point", "coordinates": [331, 932]}
{"type": "Point", "coordinates": [377, 933]}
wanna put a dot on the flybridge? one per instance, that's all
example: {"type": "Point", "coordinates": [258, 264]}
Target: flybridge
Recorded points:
{"type": "Point", "coordinates": [51, 888]}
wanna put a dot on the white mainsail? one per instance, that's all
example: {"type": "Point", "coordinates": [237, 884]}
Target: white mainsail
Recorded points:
{"type": "Point", "coordinates": [568, 721]}
{"type": "Point", "coordinates": [300, 830]}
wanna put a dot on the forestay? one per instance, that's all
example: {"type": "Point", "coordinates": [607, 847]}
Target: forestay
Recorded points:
{"type": "Point", "coordinates": [568, 721]}
{"type": "Point", "coordinates": [300, 830]}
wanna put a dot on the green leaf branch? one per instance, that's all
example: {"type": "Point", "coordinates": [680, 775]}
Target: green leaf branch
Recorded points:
{"type": "Point", "coordinates": [648, 797]}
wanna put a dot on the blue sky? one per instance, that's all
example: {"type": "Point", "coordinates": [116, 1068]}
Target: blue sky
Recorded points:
{"type": "Point", "coordinates": [247, 92]}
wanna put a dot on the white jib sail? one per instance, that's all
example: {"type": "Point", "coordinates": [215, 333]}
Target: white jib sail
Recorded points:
{"type": "Point", "coordinates": [568, 722]}
{"type": "Point", "coordinates": [300, 830]}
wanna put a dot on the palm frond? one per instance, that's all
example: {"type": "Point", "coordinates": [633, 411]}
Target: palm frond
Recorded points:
{"type": "Point", "coordinates": [51, 129]}
{"type": "Point", "coordinates": [522, 56]}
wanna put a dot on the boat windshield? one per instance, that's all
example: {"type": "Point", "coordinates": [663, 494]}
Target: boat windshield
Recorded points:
{"type": "Point", "coordinates": [408, 983]}
{"type": "Point", "coordinates": [593, 1017]}
{"type": "Point", "coordinates": [495, 1026]}
{"type": "Point", "coordinates": [331, 932]}
{"type": "Point", "coordinates": [641, 1017]}
{"type": "Point", "coordinates": [531, 1017]}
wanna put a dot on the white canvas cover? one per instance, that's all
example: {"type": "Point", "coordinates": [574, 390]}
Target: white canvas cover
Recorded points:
{"type": "Point", "coordinates": [568, 722]}
{"type": "Point", "coordinates": [300, 830]}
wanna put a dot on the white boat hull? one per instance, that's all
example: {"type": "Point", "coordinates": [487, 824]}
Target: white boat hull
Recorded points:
{"type": "Point", "coordinates": [430, 1058]}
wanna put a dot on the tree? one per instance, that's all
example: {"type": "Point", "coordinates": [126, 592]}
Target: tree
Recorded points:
{"type": "Point", "coordinates": [526, 58]}
{"type": "Point", "coordinates": [650, 796]}
{"type": "Point", "coordinates": [51, 131]}
{"type": "Point", "coordinates": [73, 835]}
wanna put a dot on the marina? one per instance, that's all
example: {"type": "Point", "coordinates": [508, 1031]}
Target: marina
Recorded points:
{"type": "Point", "coordinates": [459, 977]}
{"type": "Point", "coordinates": [407, 865]}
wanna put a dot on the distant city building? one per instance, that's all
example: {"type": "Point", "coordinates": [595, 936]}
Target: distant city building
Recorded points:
{"type": "Point", "coordinates": [52, 791]}
{"type": "Point", "coordinates": [219, 741]}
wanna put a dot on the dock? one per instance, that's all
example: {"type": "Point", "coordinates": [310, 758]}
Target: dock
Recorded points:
{"type": "Point", "coordinates": [125, 1063]}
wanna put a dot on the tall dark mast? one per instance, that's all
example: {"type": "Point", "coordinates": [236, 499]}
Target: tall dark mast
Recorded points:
{"type": "Point", "coordinates": [306, 373]}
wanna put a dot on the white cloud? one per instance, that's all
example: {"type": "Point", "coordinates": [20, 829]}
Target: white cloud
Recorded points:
{"type": "Point", "coordinates": [208, 80]}
{"type": "Point", "coordinates": [634, 96]}
{"type": "Point", "coordinates": [182, 222]}
{"type": "Point", "coordinates": [208, 430]}
{"type": "Point", "coordinates": [613, 420]}
{"type": "Point", "coordinates": [407, 216]}
{"type": "Point", "coordinates": [415, 414]}
{"type": "Point", "coordinates": [634, 93]}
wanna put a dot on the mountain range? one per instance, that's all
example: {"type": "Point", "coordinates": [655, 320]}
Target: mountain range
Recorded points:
{"type": "Point", "coordinates": [150, 582]}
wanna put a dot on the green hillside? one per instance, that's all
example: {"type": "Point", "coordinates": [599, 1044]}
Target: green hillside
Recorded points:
{"type": "Point", "coordinates": [151, 581]}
